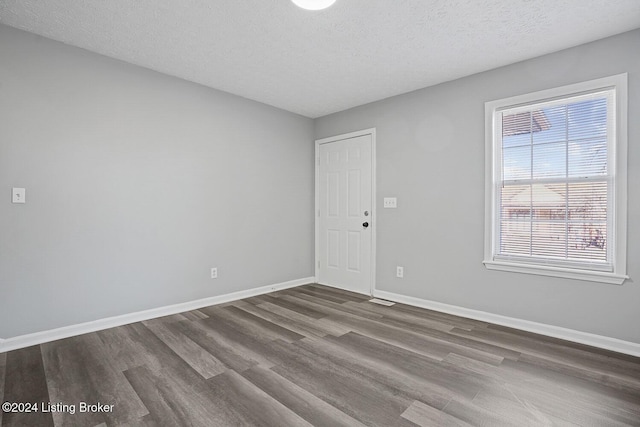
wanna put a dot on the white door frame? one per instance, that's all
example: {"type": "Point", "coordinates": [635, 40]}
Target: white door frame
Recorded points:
{"type": "Point", "coordinates": [374, 216]}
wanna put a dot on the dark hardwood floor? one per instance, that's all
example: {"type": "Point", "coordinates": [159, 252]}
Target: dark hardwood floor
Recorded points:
{"type": "Point", "coordinates": [319, 356]}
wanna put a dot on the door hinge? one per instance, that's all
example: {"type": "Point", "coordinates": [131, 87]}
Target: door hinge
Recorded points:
{"type": "Point", "coordinates": [318, 263]}
{"type": "Point", "coordinates": [318, 160]}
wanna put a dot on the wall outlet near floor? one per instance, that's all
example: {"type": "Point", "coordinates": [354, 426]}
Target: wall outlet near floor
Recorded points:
{"type": "Point", "coordinates": [400, 272]}
{"type": "Point", "coordinates": [214, 273]}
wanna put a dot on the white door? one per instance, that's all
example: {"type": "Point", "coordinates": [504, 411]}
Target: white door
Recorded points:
{"type": "Point", "coordinates": [345, 213]}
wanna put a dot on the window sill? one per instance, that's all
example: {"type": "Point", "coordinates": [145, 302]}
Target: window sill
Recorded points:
{"type": "Point", "coordinates": [567, 273]}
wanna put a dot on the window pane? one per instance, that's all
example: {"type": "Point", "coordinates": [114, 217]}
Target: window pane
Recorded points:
{"type": "Point", "coordinates": [548, 239]}
{"type": "Point", "coordinates": [515, 233]}
{"type": "Point", "coordinates": [550, 160]}
{"type": "Point", "coordinates": [588, 201]}
{"type": "Point", "coordinates": [516, 162]}
{"type": "Point", "coordinates": [555, 129]}
{"type": "Point", "coordinates": [516, 124]}
{"type": "Point", "coordinates": [516, 202]}
{"type": "Point", "coordinates": [588, 158]}
{"type": "Point", "coordinates": [588, 241]}
{"type": "Point", "coordinates": [588, 119]}
{"type": "Point", "coordinates": [533, 221]}
{"type": "Point", "coordinates": [549, 202]}
{"type": "Point", "coordinates": [516, 140]}
{"type": "Point", "coordinates": [515, 238]}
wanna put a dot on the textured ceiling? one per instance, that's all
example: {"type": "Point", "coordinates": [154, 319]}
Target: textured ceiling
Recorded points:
{"type": "Point", "coordinates": [316, 63]}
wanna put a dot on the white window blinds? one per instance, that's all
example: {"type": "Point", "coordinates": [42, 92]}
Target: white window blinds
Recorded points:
{"type": "Point", "coordinates": [554, 195]}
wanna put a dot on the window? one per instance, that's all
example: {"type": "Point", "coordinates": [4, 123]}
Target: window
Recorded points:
{"type": "Point", "coordinates": [556, 182]}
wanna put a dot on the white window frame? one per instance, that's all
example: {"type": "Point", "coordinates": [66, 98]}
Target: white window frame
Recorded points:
{"type": "Point", "coordinates": [617, 165]}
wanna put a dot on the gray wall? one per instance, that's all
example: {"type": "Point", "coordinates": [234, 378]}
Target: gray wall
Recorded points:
{"type": "Point", "coordinates": [430, 154]}
{"type": "Point", "coordinates": [137, 183]}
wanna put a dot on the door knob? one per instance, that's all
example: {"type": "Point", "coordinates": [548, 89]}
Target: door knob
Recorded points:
{"type": "Point", "coordinates": [365, 224]}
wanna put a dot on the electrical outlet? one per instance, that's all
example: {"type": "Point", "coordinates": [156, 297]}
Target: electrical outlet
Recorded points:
{"type": "Point", "coordinates": [214, 273]}
{"type": "Point", "coordinates": [400, 272]}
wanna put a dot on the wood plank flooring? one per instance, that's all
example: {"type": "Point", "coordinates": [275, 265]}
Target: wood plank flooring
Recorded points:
{"type": "Point", "coordinates": [319, 356]}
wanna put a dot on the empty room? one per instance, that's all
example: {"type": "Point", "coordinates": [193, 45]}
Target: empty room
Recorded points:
{"type": "Point", "coordinates": [320, 213]}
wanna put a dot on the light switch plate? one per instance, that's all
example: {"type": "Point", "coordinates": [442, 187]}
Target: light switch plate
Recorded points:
{"type": "Point", "coordinates": [390, 202]}
{"type": "Point", "coordinates": [18, 195]}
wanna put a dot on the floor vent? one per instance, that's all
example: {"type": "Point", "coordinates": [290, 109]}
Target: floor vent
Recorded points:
{"type": "Point", "coordinates": [381, 302]}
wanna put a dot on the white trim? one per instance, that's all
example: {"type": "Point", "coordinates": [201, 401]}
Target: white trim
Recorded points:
{"type": "Point", "coordinates": [618, 166]}
{"type": "Point", "coordinates": [559, 92]}
{"type": "Point", "coordinates": [22, 341]}
{"type": "Point", "coordinates": [613, 344]}
{"type": "Point", "coordinates": [567, 273]}
{"type": "Point", "coordinates": [316, 210]}
{"type": "Point", "coordinates": [370, 131]}
{"type": "Point", "coordinates": [374, 211]}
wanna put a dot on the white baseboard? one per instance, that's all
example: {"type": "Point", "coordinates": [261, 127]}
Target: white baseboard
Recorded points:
{"type": "Point", "coordinates": [593, 340]}
{"type": "Point", "coordinates": [23, 341]}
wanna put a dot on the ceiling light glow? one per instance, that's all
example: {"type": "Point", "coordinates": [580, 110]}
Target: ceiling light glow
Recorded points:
{"type": "Point", "coordinates": [313, 4]}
